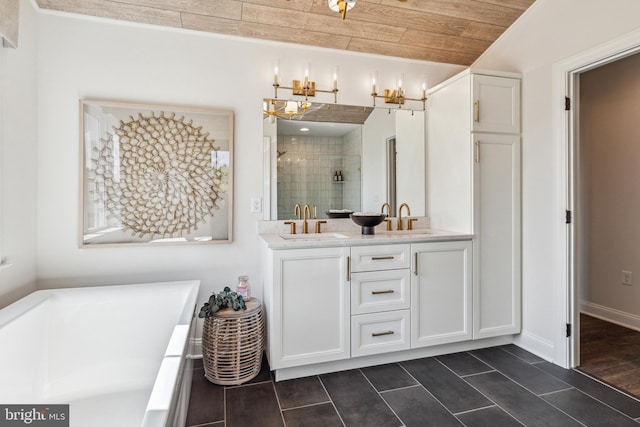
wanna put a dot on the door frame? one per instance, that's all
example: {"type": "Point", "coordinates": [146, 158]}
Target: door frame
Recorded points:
{"type": "Point", "coordinates": [565, 83]}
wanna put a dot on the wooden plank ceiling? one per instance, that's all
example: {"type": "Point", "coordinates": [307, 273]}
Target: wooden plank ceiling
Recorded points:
{"type": "Point", "coordinates": [449, 31]}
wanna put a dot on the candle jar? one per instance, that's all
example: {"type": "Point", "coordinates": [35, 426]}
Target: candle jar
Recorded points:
{"type": "Point", "coordinates": [243, 288]}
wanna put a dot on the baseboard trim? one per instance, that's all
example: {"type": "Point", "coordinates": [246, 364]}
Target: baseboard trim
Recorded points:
{"type": "Point", "coordinates": [196, 348]}
{"type": "Point", "coordinates": [536, 345]}
{"type": "Point", "coordinates": [612, 315]}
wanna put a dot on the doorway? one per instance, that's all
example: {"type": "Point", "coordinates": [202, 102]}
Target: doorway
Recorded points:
{"type": "Point", "coordinates": [603, 172]}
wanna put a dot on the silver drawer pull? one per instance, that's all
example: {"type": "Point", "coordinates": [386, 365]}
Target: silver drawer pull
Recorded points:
{"type": "Point", "coordinates": [379, 334]}
{"type": "Point", "coordinates": [387, 291]}
{"type": "Point", "coordinates": [381, 258]}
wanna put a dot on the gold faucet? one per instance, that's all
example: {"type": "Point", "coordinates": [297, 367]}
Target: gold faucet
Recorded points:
{"type": "Point", "coordinates": [297, 211]}
{"type": "Point", "coordinates": [388, 221]}
{"type": "Point", "coordinates": [307, 214]}
{"type": "Point", "coordinates": [388, 208]}
{"type": "Point", "coordinates": [400, 214]}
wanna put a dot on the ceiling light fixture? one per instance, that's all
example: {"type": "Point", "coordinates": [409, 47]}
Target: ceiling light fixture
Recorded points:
{"type": "Point", "coordinates": [341, 6]}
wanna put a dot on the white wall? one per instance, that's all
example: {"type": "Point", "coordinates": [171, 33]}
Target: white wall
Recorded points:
{"type": "Point", "coordinates": [550, 31]}
{"type": "Point", "coordinates": [379, 126]}
{"type": "Point", "coordinates": [83, 57]}
{"type": "Point", "coordinates": [18, 160]}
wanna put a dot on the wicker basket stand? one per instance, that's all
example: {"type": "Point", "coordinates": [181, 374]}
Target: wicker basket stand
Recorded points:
{"type": "Point", "coordinates": [232, 344]}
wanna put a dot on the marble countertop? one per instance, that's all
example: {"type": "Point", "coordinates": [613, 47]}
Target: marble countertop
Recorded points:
{"type": "Point", "coordinates": [356, 238]}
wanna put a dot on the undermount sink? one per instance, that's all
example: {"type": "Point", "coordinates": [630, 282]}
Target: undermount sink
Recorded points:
{"type": "Point", "coordinates": [407, 233]}
{"type": "Point", "coordinates": [313, 236]}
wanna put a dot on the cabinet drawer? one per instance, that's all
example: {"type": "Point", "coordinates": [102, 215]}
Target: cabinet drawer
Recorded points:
{"type": "Point", "coordinates": [379, 332]}
{"type": "Point", "coordinates": [382, 257]}
{"type": "Point", "coordinates": [375, 291]}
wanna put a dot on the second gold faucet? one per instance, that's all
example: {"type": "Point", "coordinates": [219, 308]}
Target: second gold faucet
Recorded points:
{"type": "Point", "coordinates": [307, 215]}
{"type": "Point", "coordinates": [404, 205]}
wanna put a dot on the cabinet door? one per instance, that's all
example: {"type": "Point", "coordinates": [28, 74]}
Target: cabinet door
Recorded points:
{"type": "Point", "coordinates": [496, 104]}
{"type": "Point", "coordinates": [310, 307]}
{"type": "Point", "coordinates": [441, 293]}
{"type": "Point", "coordinates": [497, 230]}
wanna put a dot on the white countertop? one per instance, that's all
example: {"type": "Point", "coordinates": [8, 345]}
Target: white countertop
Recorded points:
{"type": "Point", "coordinates": [356, 238]}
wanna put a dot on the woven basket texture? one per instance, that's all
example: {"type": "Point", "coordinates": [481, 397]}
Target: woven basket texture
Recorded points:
{"type": "Point", "coordinates": [232, 344]}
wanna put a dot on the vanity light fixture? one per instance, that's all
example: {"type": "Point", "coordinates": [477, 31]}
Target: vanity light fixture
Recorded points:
{"type": "Point", "coordinates": [305, 87]}
{"type": "Point", "coordinates": [397, 96]}
{"type": "Point", "coordinates": [275, 108]}
{"type": "Point", "coordinates": [341, 6]}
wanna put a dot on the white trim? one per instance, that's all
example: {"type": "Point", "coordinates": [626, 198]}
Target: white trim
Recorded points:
{"type": "Point", "coordinates": [564, 291]}
{"type": "Point", "coordinates": [534, 344]}
{"type": "Point", "coordinates": [628, 320]}
{"type": "Point", "coordinates": [2, 178]}
{"type": "Point", "coordinates": [195, 344]}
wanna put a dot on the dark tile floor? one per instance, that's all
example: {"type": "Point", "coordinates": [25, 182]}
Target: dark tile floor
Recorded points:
{"type": "Point", "coordinates": [493, 387]}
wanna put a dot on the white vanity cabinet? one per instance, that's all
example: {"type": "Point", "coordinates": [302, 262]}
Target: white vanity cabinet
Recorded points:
{"type": "Point", "coordinates": [473, 171]}
{"type": "Point", "coordinates": [441, 293]}
{"type": "Point", "coordinates": [380, 299]}
{"type": "Point", "coordinates": [307, 303]}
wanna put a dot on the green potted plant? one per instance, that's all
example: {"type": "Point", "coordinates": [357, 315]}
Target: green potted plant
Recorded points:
{"type": "Point", "coordinates": [223, 299]}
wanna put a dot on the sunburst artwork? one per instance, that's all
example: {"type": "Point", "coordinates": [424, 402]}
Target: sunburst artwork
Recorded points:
{"type": "Point", "coordinates": [155, 174]}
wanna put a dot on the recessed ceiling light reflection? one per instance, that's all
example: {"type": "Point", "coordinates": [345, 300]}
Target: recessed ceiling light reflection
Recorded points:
{"type": "Point", "coordinates": [304, 129]}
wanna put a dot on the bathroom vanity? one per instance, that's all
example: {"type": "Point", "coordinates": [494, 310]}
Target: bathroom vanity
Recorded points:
{"type": "Point", "coordinates": [343, 300]}
{"type": "Point", "coordinates": [346, 300]}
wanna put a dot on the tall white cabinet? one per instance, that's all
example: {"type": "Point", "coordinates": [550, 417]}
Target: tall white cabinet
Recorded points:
{"type": "Point", "coordinates": [473, 167]}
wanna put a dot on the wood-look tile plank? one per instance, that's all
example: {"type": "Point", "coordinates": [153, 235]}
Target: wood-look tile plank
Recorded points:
{"type": "Point", "coordinates": [449, 31]}
{"type": "Point", "coordinates": [481, 31]}
{"type": "Point", "coordinates": [261, 31]}
{"type": "Point", "coordinates": [230, 9]}
{"type": "Point", "coordinates": [405, 18]}
{"type": "Point", "coordinates": [299, 5]}
{"type": "Point", "coordinates": [611, 353]}
{"type": "Point", "coordinates": [113, 10]}
{"type": "Point", "coordinates": [472, 10]}
{"type": "Point", "coordinates": [326, 24]}
{"type": "Point", "coordinates": [436, 41]}
{"type": "Point", "coordinates": [514, 4]}
{"type": "Point", "coordinates": [413, 52]}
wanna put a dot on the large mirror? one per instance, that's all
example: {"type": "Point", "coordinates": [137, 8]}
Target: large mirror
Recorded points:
{"type": "Point", "coordinates": [341, 158]}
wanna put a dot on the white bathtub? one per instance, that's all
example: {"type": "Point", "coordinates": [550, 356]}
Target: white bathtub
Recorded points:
{"type": "Point", "coordinates": [115, 354]}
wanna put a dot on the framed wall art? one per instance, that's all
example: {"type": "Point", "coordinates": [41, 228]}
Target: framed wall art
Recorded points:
{"type": "Point", "coordinates": [155, 174]}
